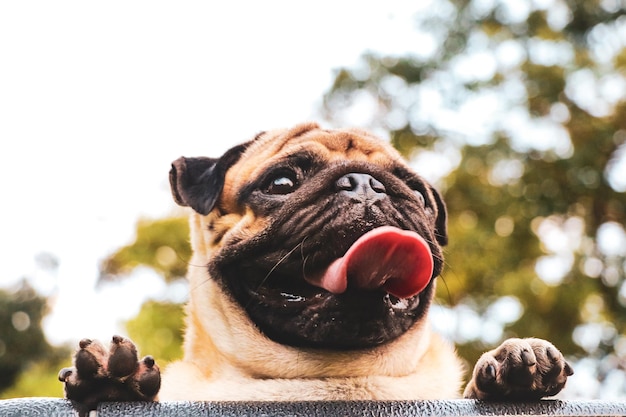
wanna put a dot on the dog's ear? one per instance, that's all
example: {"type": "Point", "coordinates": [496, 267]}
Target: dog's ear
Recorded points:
{"type": "Point", "coordinates": [441, 223]}
{"type": "Point", "coordinates": [198, 182]}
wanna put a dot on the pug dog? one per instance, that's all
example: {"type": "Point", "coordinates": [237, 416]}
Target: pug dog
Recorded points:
{"type": "Point", "coordinates": [315, 258]}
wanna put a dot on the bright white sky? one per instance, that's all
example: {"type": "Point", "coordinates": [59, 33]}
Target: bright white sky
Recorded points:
{"type": "Point", "coordinates": [96, 100]}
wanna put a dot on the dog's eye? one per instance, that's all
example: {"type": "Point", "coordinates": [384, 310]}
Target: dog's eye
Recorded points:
{"type": "Point", "coordinates": [420, 197]}
{"type": "Point", "coordinates": [282, 184]}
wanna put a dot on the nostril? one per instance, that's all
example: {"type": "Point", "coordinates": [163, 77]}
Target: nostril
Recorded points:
{"type": "Point", "coordinates": [377, 186]}
{"type": "Point", "coordinates": [360, 187]}
{"type": "Point", "coordinates": [345, 183]}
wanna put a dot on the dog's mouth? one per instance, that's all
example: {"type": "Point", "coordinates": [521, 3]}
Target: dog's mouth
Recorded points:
{"type": "Point", "coordinates": [396, 261]}
{"type": "Point", "coordinates": [372, 294]}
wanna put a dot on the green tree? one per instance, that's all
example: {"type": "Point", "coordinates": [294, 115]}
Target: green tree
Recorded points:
{"type": "Point", "coordinates": [162, 245]}
{"type": "Point", "coordinates": [158, 330]}
{"type": "Point", "coordinates": [23, 346]}
{"type": "Point", "coordinates": [521, 108]}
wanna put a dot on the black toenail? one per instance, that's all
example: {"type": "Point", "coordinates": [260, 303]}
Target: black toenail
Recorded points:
{"type": "Point", "coordinates": [528, 358]}
{"type": "Point", "coordinates": [64, 374]}
{"type": "Point", "coordinates": [148, 361]}
{"type": "Point", "coordinates": [84, 343]}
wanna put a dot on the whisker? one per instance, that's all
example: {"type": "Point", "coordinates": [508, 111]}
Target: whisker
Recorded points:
{"type": "Point", "coordinates": [201, 283]}
{"type": "Point", "coordinates": [274, 268]}
{"type": "Point", "coordinates": [279, 262]}
{"type": "Point", "coordinates": [445, 284]}
{"type": "Point", "coordinates": [304, 259]}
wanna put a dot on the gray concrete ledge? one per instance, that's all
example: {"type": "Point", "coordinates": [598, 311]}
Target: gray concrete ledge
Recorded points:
{"type": "Point", "coordinates": [39, 407]}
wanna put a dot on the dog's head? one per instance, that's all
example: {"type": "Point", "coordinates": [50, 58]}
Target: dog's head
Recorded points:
{"type": "Point", "coordinates": [326, 239]}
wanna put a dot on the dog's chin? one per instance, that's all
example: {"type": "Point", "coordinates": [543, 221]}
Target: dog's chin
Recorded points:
{"type": "Point", "coordinates": [303, 315]}
{"type": "Point", "coordinates": [356, 319]}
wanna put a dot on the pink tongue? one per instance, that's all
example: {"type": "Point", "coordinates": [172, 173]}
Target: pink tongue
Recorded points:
{"type": "Point", "coordinates": [397, 260]}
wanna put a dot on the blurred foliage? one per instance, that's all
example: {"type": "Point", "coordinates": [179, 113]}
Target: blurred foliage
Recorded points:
{"type": "Point", "coordinates": [162, 245]}
{"type": "Point", "coordinates": [158, 330]}
{"type": "Point", "coordinates": [524, 104]}
{"type": "Point", "coordinates": [24, 350]}
{"type": "Point", "coordinates": [40, 377]}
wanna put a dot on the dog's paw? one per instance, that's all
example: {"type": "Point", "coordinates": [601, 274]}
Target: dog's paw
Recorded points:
{"type": "Point", "coordinates": [110, 374]}
{"type": "Point", "coordinates": [519, 370]}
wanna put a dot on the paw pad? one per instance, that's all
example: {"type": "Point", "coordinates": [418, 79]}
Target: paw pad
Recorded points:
{"type": "Point", "coordinates": [110, 374]}
{"type": "Point", "coordinates": [519, 369]}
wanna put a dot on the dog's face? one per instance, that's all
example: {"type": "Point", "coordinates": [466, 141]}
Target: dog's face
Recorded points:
{"type": "Point", "coordinates": [326, 239]}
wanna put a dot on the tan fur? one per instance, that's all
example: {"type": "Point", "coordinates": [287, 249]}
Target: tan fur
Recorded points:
{"type": "Point", "coordinates": [227, 358]}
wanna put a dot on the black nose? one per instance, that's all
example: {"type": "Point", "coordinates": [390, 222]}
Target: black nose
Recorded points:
{"type": "Point", "coordinates": [360, 187]}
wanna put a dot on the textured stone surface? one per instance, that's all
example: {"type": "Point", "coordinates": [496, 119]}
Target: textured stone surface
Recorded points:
{"type": "Point", "coordinates": [36, 407]}
{"type": "Point", "coordinates": [59, 407]}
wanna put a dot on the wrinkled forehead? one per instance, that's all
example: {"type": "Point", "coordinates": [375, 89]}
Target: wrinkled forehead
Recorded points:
{"type": "Point", "coordinates": [328, 145]}
{"type": "Point", "coordinates": [331, 146]}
